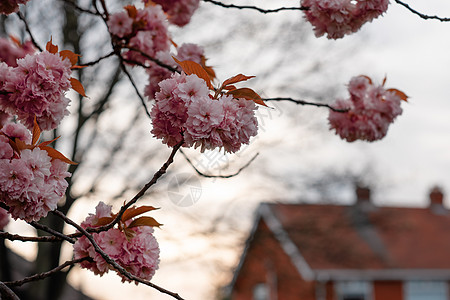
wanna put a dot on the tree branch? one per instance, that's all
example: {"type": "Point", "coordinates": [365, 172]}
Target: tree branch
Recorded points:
{"type": "Point", "coordinates": [264, 11]}
{"type": "Point", "coordinates": [43, 275]}
{"type": "Point", "coordinates": [6, 293]}
{"type": "Point", "coordinates": [98, 60]}
{"type": "Point", "coordinates": [218, 176]}
{"type": "Point", "coordinates": [303, 102]}
{"type": "Point", "coordinates": [79, 8]}
{"type": "Point", "coordinates": [423, 16]}
{"type": "Point", "coordinates": [16, 237]}
{"type": "Point", "coordinates": [21, 16]}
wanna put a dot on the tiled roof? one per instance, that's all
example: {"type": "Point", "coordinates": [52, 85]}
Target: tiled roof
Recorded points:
{"type": "Point", "coordinates": [335, 237]}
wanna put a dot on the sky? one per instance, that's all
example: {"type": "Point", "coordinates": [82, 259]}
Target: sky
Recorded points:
{"type": "Point", "coordinates": [294, 144]}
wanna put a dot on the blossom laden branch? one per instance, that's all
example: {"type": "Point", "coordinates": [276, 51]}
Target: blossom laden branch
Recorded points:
{"type": "Point", "coordinates": [261, 10]}
{"type": "Point", "coordinates": [423, 16]}
{"type": "Point", "coordinates": [303, 102]}
{"type": "Point", "coordinates": [112, 262]}
{"type": "Point", "coordinates": [43, 275]}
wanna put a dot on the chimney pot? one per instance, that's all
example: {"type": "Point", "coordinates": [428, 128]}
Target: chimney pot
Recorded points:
{"type": "Point", "coordinates": [436, 196]}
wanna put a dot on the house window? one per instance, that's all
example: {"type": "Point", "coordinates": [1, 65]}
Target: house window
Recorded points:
{"type": "Point", "coordinates": [426, 290]}
{"type": "Point", "coordinates": [261, 292]}
{"type": "Point", "coordinates": [353, 290]}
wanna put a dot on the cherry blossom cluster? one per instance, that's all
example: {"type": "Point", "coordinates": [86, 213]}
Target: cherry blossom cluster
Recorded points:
{"type": "Point", "coordinates": [11, 50]}
{"type": "Point", "coordinates": [31, 181]}
{"type": "Point", "coordinates": [36, 88]}
{"type": "Point", "coordinates": [10, 6]}
{"type": "Point", "coordinates": [184, 110]}
{"type": "Point", "coordinates": [337, 18]}
{"type": "Point", "coordinates": [4, 218]}
{"type": "Point", "coordinates": [138, 254]}
{"type": "Point", "coordinates": [143, 29]}
{"type": "Point", "coordinates": [371, 109]}
{"type": "Point", "coordinates": [158, 73]}
{"type": "Point", "coordinates": [179, 11]}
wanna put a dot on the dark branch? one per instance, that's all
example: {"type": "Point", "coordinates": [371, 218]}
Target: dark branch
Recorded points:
{"type": "Point", "coordinates": [124, 69]}
{"type": "Point", "coordinates": [16, 237]}
{"type": "Point", "coordinates": [43, 275]}
{"type": "Point", "coordinates": [303, 102]}
{"type": "Point", "coordinates": [7, 293]}
{"type": "Point", "coordinates": [218, 176]}
{"type": "Point", "coordinates": [52, 232]}
{"type": "Point", "coordinates": [29, 31]}
{"type": "Point", "coordinates": [423, 16]}
{"type": "Point", "coordinates": [261, 10]}
{"type": "Point", "coordinates": [98, 60]}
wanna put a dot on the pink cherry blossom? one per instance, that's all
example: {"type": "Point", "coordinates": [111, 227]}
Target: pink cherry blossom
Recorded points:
{"type": "Point", "coordinates": [120, 24]}
{"type": "Point", "coordinates": [35, 88]}
{"type": "Point", "coordinates": [4, 218]}
{"type": "Point", "coordinates": [10, 51]}
{"type": "Point", "coordinates": [336, 18]}
{"type": "Point", "coordinates": [191, 52]}
{"type": "Point", "coordinates": [371, 109]}
{"type": "Point", "coordinates": [10, 6]}
{"type": "Point", "coordinates": [179, 11]}
{"type": "Point", "coordinates": [184, 110]}
{"type": "Point", "coordinates": [138, 254]}
{"type": "Point", "coordinates": [31, 182]}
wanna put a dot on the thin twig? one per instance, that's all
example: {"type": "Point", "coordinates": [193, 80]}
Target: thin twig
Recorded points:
{"type": "Point", "coordinates": [124, 69]}
{"type": "Point", "coordinates": [303, 102]}
{"type": "Point", "coordinates": [218, 176]}
{"type": "Point", "coordinates": [16, 237]}
{"type": "Point", "coordinates": [423, 16]}
{"type": "Point", "coordinates": [141, 193]}
{"type": "Point", "coordinates": [156, 61]}
{"type": "Point", "coordinates": [52, 231]}
{"type": "Point", "coordinates": [112, 262]}
{"type": "Point", "coordinates": [97, 60]}
{"type": "Point", "coordinates": [43, 275]}
{"type": "Point", "coordinates": [29, 31]}
{"type": "Point", "coordinates": [261, 10]}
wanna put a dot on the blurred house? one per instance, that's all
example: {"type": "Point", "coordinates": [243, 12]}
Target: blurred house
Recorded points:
{"type": "Point", "coordinates": [336, 252]}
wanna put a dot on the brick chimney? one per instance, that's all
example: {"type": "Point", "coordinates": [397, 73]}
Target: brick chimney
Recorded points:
{"type": "Point", "coordinates": [437, 200]}
{"type": "Point", "coordinates": [363, 200]}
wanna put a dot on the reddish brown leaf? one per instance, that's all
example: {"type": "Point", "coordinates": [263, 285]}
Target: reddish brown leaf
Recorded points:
{"type": "Point", "coordinates": [36, 132]}
{"type": "Point", "coordinates": [129, 233]}
{"type": "Point", "coordinates": [15, 40]}
{"type": "Point", "coordinates": [46, 143]}
{"type": "Point", "coordinates": [208, 69]}
{"type": "Point", "coordinates": [53, 153]}
{"type": "Point", "coordinates": [51, 48]}
{"type": "Point", "coordinates": [77, 67]}
{"type": "Point", "coordinates": [189, 67]}
{"type": "Point", "coordinates": [248, 94]}
{"type": "Point", "coordinates": [70, 56]}
{"type": "Point", "coordinates": [20, 145]}
{"type": "Point", "coordinates": [103, 221]}
{"type": "Point", "coordinates": [368, 78]}
{"type": "Point", "coordinates": [145, 221]}
{"type": "Point", "coordinates": [384, 80]}
{"type": "Point", "coordinates": [131, 10]}
{"type": "Point", "coordinates": [229, 87]}
{"type": "Point", "coordinates": [399, 93]}
{"type": "Point", "coordinates": [136, 211]}
{"type": "Point", "coordinates": [77, 86]}
{"type": "Point", "coordinates": [236, 79]}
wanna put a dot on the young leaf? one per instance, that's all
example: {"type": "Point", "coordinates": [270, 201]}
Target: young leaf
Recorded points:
{"type": "Point", "coordinates": [248, 94]}
{"type": "Point", "coordinates": [144, 221]}
{"type": "Point", "coordinates": [399, 94]}
{"type": "Point", "coordinates": [46, 143]}
{"type": "Point", "coordinates": [131, 10]}
{"type": "Point", "coordinates": [70, 56]}
{"type": "Point", "coordinates": [36, 132]}
{"type": "Point", "coordinates": [189, 67]}
{"type": "Point", "coordinates": [53, 153]}
{"type": "Point", "coordinates": [236, 79]}
{"type": "Point", "coordinates": [208, 69]}
{"type": "Point", "coordinates": [77, 86]}
{"type": "Point", "coordinates": [103, 221]}
{"type": "Point", "coordinates": [51, 48]}
{"type": "Point", "coordinates": [136, 211]}
{"type": "Point", "coordinates": [129, 233]}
